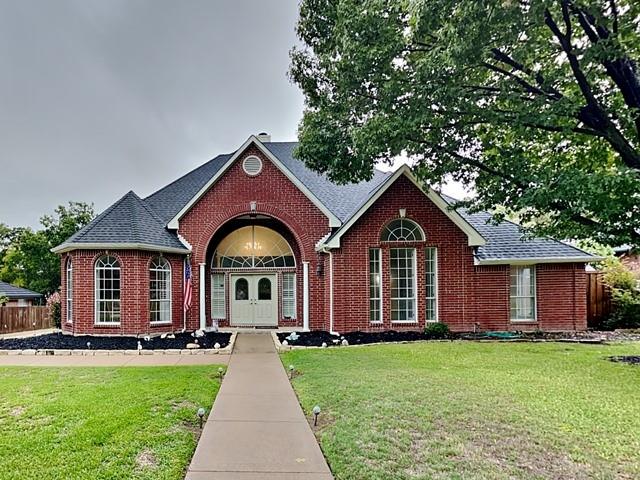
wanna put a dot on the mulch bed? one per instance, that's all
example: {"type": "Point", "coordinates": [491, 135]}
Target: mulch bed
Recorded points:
{"type": "Point", "coordinates": [631, 359]}
{"type": "Point", "coordinates": [316, 338]}
{"type": "Point", "coordinates": [68, 342]}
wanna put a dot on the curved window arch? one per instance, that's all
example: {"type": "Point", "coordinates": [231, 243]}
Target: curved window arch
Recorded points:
{"type": "Point", "coordinates": [160, 290]}
{"type": "Point", "coordinates": [253, 247]}
{"type": "Point", "coordinates": [107, 288]}
{"type": "Point", "coordinates": [402, 230]}
{"type": "Point", "coordinates": [69, 290]}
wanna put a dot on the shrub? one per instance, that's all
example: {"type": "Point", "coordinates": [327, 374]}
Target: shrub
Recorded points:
{"type": "Point", "coordinates": [55, 314]}
{"type": "Point", "coordinates": [3, 300]}
{"type": "Point", "coordinates": [437, 330]}
{"type": "Point", "coordinates": [626, 310]}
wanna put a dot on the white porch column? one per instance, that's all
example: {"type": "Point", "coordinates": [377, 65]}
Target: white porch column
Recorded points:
{"type": "Point", "coordinates": [201, 290]}
{"type": "Point", "coordinates": [305, 296]}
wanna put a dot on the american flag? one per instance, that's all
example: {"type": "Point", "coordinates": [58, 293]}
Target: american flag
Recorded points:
{"type": "Point", "coordinates": [188, 287]}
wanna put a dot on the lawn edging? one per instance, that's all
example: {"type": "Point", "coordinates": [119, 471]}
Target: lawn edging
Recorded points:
{"type": "Point", "coordinates": [86, 352]}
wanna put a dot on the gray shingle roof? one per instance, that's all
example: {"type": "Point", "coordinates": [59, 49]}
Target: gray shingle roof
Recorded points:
{"type": "Point", "coordinates": [132, 220]}
{"type": "Point", "coordinates": [507, 241]}
{"type": "Point", "coordinates": [128, 221]}
{"type": "Point", "coordinates": [13, 292]}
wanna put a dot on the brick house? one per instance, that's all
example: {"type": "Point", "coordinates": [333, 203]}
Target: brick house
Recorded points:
{"type": "Point", "coordinates": [18, 296]}
{"type": "Point", "coordinates": [269, 242]}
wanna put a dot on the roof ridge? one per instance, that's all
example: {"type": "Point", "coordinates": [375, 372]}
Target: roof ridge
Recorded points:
{"type": "Point", "coordinates": [93, 223]}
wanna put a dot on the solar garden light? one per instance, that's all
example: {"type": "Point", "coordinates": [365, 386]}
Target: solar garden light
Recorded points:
{"type": "Point", "coordinates": [201, 416]}
{"type": "Point", "coordinates": [316, 412]}
{"type": "Point", "coordinates": [220, 372]}
{"type": "Point", "coordinates": [291, 370]}
{"type": "Point", "coordinates": [88, 345]}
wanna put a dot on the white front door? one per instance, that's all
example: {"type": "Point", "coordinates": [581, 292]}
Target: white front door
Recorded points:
{"type": "Point", "coordinates": [254, 300]}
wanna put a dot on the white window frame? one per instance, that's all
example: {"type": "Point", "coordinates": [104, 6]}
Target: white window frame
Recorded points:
{"type": "Point", "coordinates": [98, 295]}
{"type": "Point", "coordinates": [434, 271]}
{"type": "Point", "coordinates": [289, 294]}
{"type": "Point", "coordinates": [414, 279]}
{"type": "Point", "coordinates": [69, 289]}
{"type": "Point", "coordinates": [162, 303]}
{"type": "Point", "coordinates": [218, 294]}
{"type": "Point", "coordinates": [514, 273]}
{"type": "Point", "coordinates": [377, 299]}
{"type": "Point", "coordinates": [399, 232]}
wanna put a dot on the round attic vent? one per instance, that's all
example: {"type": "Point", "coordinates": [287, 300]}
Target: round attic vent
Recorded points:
{"type": "Point", "coordinates": [252, 165]}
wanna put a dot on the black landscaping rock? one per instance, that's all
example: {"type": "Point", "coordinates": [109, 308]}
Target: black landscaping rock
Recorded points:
{"type": "Point", "coordinates": [317, 337]}
{"type": "Point", "coordinates": [68, 342]}
{"type": "Point", "coordinates": [631, 359]}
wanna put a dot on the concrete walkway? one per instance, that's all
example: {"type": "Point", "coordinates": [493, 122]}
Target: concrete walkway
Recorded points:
{"type": "Point", "coordinates": [257, 429]}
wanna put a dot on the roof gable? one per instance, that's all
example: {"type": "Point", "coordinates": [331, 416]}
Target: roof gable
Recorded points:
{"type": "Point", "coordinates": [174, 222]}
{"type": "Point", "coordinates": [473, 236]}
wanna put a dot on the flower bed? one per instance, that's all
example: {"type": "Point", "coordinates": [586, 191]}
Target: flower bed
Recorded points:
{"type": "Point", "coordinates": [58, 341]}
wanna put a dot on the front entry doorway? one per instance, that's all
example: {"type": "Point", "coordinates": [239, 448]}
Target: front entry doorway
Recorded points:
{"type": "Point", "coordinates": [254, 300]}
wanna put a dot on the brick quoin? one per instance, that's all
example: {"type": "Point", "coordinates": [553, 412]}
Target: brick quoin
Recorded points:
{"type": "Point", "coordinates": [469, 295]}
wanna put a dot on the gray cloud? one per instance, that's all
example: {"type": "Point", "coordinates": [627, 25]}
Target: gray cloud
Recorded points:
{"type": "Point", "coordinates": [101, 97]}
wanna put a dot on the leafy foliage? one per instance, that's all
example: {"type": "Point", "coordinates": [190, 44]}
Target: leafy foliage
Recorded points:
{"type": "Point", "coordinates": [437, 330]}
{"type": "Point", "coordinates": [26, 259]}
{"type": "Point", "coordinates": [3, 300]}
{"type": "Point", "coordinates": [535, 104]}
{"type": "Point", "coordinates": [55, 308]}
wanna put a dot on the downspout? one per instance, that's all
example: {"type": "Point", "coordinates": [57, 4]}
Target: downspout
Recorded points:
{"type": "Point", "coordinates": [184, 289]}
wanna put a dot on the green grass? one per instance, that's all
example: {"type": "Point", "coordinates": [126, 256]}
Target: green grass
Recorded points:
{"type": "Point", "coordinates": [101, 423]}
{"type": "Point", "coordinates": [474, 410]}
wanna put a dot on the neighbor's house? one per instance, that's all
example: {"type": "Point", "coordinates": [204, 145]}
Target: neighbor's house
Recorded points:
{"type": "Point", "coordinates": [18, 296]}
{"type": "Point", "coordinates": [630, 258]}
{"type": "Point", "coordinates": [268, 242]}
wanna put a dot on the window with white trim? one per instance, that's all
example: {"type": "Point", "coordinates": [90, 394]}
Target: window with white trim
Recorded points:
{"type": "Point", "coordinates": [69, 290]}
{"type": "Point", "coordinates": [160, 290]}
{"type": "Point", "coordinates": [431, 284]}
{"type": "Point", "coordinates": [289, 295]}
{"type": "Point", "coordinates": [523, 293]}
{"type": "Point", "coordinates": [218, 307]}
{"type": "Point", "coordinates": [402, 269]}
{"type": "Point", "coordinates": [107, 290]}
{"type": "Point", "coordinates": [375, 285]}
{"type": "Point", "coordinates": [402, 230]}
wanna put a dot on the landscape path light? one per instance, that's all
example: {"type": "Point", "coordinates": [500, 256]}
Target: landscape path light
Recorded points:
{"type": "Point", "coordinates": [291, 370]}
{"type": "Point", "coordinates": [220, 372]}
{"type": "Point", "coordinates": [316, 412]}
{"type": "Point", "coordinates": [201, 416]}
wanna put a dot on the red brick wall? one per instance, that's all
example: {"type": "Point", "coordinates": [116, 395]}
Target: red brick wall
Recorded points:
{"type": "Point", "coordinates": [276, 197]}
{"type": "Point", "coordinates": [562, 299]}
{"type": "Point", "coordinates": [134, 293]}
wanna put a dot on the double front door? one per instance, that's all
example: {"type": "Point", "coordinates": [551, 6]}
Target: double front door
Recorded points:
{"type": "Point", "coordinates": [254, 300]}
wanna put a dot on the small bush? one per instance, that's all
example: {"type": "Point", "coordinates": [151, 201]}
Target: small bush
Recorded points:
{"type": "Point", "coordinates": [437, 330]}
{"type": "Point", "coordinates": [55, 311]}
{"type": "Point", "coordinates": [626, 310]}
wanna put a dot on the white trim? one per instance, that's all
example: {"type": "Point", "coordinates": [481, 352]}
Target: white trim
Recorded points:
{"type": "Point", "coordinates": [170, 287]}
{"type": "Point", "coordinates": [474, 238]}
{"type": "Point", "coordinates": [67, 247]}
{"type": "Point", "coordinates": [305, 296]}
{"type": "Point", "coordinates": [416, 294]}
{"type": "Point", "coordinates": [215, 316]}
{"type": "Point", "coordinates": [244, 165]}
{"type": "Point", "coordinates": [331, 330]}
{"type": "Point", "coordinates": [96, 290]}
{"type": "Point", "coordinates": [536, 260]}
{"type": "Point", "coordinates": [334, 221]}
{"type": "Point", "coordinates": [380, 299]}
{"type": "Point", "coordinates": [435, 286]}
{"type": "Point", "coordinates": [201, 295]}
{"type": "Point", "coordinates": [69, 298]}
{"type": "Point", "coordinates": [534, 272]}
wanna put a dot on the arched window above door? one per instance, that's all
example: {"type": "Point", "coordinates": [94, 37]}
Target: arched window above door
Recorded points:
{"type": "Point", "coordinates": [253, 247]}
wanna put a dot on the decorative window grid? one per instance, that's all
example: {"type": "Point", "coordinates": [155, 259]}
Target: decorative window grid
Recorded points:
{"type": "Point", "coordinates": [431, 284]}
{"type": "Point", "coordinates": [402, 230]}
{"type": "Point", "coordinates": [69, 291]}
{"type": "Point", "coordinates": [289, 295]}
{"type": "Point", "coordinates": [523, 293]}
{"type": "Point", "coordinates": [107, 291]}
{"type": "Point", "coordinates": [402, 263]}
{"type": "Point", "coordinates": [218, 307]}
{"type": "Point", "coordinates": [160, 291]}
{"type": "Point", "coordinates": [375, 285]}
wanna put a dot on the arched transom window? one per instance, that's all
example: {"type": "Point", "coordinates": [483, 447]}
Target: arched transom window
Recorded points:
{"type": "Point", "coordinates": [402, 230]}
{"type": "Point", "coordinates": [107, 284]}
{"type": "Point", "coordinates": [253, 247]}
{"type": "Point", "coordinates": [160, 290]}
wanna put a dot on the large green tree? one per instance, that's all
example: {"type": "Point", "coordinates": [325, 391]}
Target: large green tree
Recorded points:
{"type": "Point", "coordinates": [25, 255]}
{"type": "Point", "coordinates": [536, 104]}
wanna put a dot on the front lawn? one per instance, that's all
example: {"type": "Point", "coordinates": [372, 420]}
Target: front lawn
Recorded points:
{"type": "Point", "coordinates": [474, 410]}
{"type": "Point", "coordinates": [101, 423]}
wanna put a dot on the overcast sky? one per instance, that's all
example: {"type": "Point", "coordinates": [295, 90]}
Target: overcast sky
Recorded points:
{"type": "Point", "coordinates": [99, 97]}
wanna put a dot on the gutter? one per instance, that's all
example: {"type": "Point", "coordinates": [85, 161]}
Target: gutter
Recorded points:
{"type": "Point", "coordinates": [67, 247]}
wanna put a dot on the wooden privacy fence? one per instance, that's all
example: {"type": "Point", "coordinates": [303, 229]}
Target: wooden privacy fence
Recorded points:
{"type": "Point", "coordinates": [23, 319]}
{"type": "Point", "coordinates": [598, 299]}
